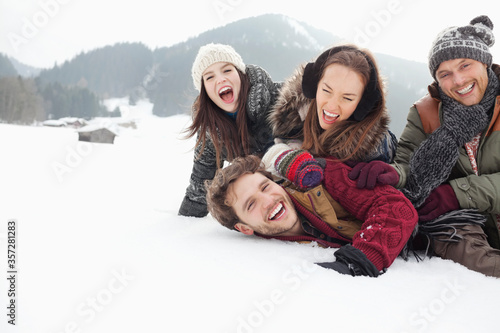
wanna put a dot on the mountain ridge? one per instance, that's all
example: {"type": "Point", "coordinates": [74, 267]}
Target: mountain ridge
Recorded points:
{"type": "Point", "coordinates": [275, 42]}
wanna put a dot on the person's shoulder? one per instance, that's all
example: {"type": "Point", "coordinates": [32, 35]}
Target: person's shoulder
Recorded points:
{"type": "Point", "coordinates": [428, 111]}
{"type": "Point", "coordinates": [257, 73]}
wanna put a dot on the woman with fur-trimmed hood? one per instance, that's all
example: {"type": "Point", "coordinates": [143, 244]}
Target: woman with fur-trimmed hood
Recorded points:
{"type": "Point", "coordinates": [335, 107]}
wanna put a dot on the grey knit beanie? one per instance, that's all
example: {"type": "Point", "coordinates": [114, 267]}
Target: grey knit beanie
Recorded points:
{"type": "Point", "coordinates": [210, 54]}
{"type": "Point", "coordinates": [471, 41]}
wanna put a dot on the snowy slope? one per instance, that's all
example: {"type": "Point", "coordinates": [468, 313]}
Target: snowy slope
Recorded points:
{"type": "Point", "coordinates": [101, 249]}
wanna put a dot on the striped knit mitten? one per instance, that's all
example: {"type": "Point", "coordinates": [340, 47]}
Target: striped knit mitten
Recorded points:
{"type": "Point", "coordinates": [299, 167]}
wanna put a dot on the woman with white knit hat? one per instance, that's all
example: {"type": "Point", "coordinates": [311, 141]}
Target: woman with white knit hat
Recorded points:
{"type": "Point", "coordinates": [229, 117]}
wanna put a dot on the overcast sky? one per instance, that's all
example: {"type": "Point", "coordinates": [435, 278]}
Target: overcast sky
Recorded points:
{"type": "Point", "coordinates": [44, 32]}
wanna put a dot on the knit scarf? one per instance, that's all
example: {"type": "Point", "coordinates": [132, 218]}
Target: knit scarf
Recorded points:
{"type": "Point", "coordinates": [433, 160]}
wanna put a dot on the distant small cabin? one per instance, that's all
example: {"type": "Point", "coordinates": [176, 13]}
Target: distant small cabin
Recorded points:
{"type": "Point", "coordinates": [54, 123]}
{"type": "Point", "coordinates": [65, 122]}
{"type": "Point", "coordinates": [74, 122]}
{"type": "Point", "coordinates": [128, 124]}
{"type": "Point", "coordinates": [96, 133]}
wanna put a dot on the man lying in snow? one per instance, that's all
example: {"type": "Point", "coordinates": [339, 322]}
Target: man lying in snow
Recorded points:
{"type": "Point", "coordinates": [370, 226]}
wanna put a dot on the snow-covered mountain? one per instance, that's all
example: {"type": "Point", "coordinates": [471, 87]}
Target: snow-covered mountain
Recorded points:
{"type": "Point", "coordinates": [275, 42]}
{"type": "Point", "coordinates": [100, 248]}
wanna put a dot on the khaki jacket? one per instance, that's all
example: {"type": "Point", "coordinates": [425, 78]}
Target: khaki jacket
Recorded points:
{"type": "Point", "coordinates": [318, 200]}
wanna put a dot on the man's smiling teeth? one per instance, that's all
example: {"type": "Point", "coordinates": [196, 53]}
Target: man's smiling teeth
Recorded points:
{"type": "Point", "coordinates": [466, 89]}
{"type": "Point", "coordinates": [276, 211]}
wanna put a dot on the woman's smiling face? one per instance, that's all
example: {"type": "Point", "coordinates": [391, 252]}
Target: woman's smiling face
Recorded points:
{"type": "Point", "coordinates": [339, 92]}
{"type": "Point", "coordinates": [222, 84]}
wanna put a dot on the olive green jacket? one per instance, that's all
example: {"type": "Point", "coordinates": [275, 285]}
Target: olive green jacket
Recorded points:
{"type": "Point", "coordinates": [481, 192]}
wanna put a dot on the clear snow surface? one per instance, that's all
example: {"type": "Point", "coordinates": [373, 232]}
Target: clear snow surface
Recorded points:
{"type": "Point", "coordinates": [100, 248]}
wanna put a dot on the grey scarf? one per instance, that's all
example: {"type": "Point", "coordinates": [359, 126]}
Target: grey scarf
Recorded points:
{"type": "Point", "coordinates": [433, 160]}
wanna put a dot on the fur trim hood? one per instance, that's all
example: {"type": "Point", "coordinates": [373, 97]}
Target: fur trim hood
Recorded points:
{"type": "Point", "coordinates": [288, 115]}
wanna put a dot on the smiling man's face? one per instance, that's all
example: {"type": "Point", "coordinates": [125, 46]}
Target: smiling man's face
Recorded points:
{"type": "Point", "coordinates": [464, 80]}
{"type": "Point", "coordinates": [263, 207]}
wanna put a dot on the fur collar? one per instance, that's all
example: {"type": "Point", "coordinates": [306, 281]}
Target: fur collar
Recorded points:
{"type": "Point", "coordinates": [288, 114]}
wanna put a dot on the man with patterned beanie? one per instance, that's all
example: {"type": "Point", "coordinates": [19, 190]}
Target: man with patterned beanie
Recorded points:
{"type": "Point", "coordinates": [448, 156]}
{"type": "Point", "coordinates": [313, 201]}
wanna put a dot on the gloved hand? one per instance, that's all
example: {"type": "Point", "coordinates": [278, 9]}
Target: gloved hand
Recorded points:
{"type": "Point", "coordinates": [338, 266]}
{"type": "Point", "coordinates": [192, 208]}
{"type": "Point", "coordinates": [351, 261]}
{"type": "Point", "coordinates": [372, 173]}
{"type": "Point", "coordinates": [441, 200]}
{"type": "Point", "coordinates": [296, 165]}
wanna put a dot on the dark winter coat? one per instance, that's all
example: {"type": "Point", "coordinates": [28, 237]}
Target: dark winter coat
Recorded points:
{"type": "Point", "coordinates": [288, 115]}
{"type": "Point", "coordinates": [262, 95]}
{"type": "Point", "coordinates": [378, 222]}
{"type": "Point", "coordinates": [481, 192]}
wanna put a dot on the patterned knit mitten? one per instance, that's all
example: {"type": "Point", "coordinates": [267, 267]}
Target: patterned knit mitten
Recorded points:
{"type": "Point", "coordinates": [299, 167]}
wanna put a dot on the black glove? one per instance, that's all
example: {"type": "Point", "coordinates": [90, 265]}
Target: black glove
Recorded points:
{"type": "Point", "coordinates": [338, 266]}
{"type": "Point", "coordinates": [192, 208]}
{"type": "Point", "coordinates": [351, 261]}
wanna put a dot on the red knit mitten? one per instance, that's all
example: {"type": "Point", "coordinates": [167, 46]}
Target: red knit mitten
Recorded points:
{"type": "Point", "coordinates": [299, 167]}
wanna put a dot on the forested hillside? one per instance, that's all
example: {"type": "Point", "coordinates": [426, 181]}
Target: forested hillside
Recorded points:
{"type": "Point", "coordinates": [27, 100]}
{"type": "Point", "coordinates": [277, 43]}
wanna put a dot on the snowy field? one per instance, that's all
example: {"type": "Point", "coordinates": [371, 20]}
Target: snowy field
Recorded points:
{"type": "Point", "coordinates": [100, 249]}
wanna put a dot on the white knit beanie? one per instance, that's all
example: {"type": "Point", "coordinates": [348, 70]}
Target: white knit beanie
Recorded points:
{"type": "Point", "coordinates": [210, 54]}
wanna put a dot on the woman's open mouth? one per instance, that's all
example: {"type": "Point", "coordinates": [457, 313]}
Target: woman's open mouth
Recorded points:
{"type": "Point", "coordinates": [330, 117]}
{"type": "Point", "coordinates": [226, 94]}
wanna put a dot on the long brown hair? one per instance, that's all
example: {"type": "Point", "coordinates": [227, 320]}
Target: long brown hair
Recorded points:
{"type": "Point", "coordinates": [226, 134]}
{"type": "Point", "coordinates": [345, 138]}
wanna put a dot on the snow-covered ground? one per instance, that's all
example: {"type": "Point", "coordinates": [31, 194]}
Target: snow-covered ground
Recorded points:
{"type": "Point", "coordinates": [100, 248]}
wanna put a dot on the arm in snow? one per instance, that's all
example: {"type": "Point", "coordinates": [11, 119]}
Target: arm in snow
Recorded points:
{"type": "Point", "coordinates": [388, 217]}
{"type": "Point", "coordinates": [204, 167]}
